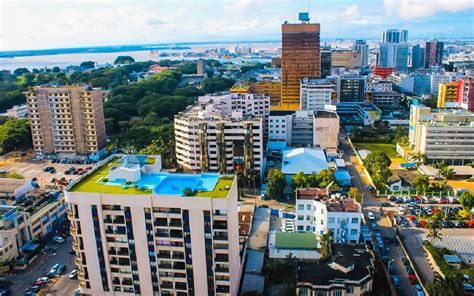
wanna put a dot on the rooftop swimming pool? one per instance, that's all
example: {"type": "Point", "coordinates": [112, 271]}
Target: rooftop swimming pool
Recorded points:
{"type": "Point", "coordinates": [166, 183]}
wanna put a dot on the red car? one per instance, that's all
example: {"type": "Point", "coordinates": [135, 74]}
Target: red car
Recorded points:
{"type": "Point", "coordinates": [423, 223]}
{"type": "Point", "coordinates": [470, 223]}
{"type": "Point", "coordinates": [413, 279]}
{"type": "Point", "coordinates": [412, 218]}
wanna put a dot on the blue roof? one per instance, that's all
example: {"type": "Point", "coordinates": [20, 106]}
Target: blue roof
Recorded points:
{"type": "Point", "coordinates": [342, 175]}
{"type": "Point", "coordinates": [29, 246]}
{"type": "Point", "coordinates": [408, 165]}
{"type": "Point", "coordinates": [306, 160]}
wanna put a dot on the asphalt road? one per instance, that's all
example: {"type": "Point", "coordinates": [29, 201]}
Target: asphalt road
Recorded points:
{"type": "Point", "coordinates": [62, 286]}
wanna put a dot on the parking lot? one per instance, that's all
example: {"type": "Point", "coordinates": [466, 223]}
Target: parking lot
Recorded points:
{"type": "Point", "coordinates": [59, 285]}
{"type": "Point", "coordinates": [35, 169]}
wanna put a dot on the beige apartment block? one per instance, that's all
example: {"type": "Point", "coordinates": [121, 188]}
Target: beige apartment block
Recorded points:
{"type": "Point", "coordinates": [67, 121]}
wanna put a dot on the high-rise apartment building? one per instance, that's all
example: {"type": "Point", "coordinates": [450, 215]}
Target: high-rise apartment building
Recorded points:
{"type": "Point", "coordinates": [433, 53]}
{"type": "Point", "coordinates": [466, 93]}
{"type": "Point", "coordinates": [437, 78]}
{"type": "Point", "coordinates": [394, 36]}
{"type": "Point", "coordinates": [67, 121]}
{"type": "Point", "coordinates": [417, 57]}
{"type": "Point", "coordinates": [300, 57]}
{"type": "Point", "coordinates": [222, 133]}
{"type": "Point", "coordinates": [363, 48]}
{"type": "Point", "coordinates": [163, 234]}
{"type": "Point", "coordinates": [442, 134]}
{"type": "Point", "coordinates": [448, 95]}
{"type": "Point", "coordinates": [326, 58]}
{"type": "Point", "coordinates": [316, 94]}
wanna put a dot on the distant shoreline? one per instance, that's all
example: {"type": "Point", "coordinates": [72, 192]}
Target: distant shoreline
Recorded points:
{"type": "Point", "coordinates": [117, 48]}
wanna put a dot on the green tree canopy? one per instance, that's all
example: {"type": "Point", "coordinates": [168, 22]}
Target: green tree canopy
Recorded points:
{"type": "Point", "coordinates": [15, 134]}
{"type": "Point", "coordinates": [212, 85]}
{"type": "Point", "coordinates": [378, 165]}
{"type": "Point", "coordinates": [87, 65]}
{"type": "Point", "coordinates": [421, 183]}
{"type": "Point", "coordinates": [124, 60]}
{"type": "Point", "coordinates": [275, 184]}
{"type": "Point", "coordinates": [467, 200]}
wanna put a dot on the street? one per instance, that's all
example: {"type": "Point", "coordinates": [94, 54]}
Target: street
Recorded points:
{"type": "Point", "coordinates": [61, 286]}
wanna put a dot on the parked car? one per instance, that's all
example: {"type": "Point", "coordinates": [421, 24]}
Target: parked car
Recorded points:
{"type": "Point", "coordinates": [386, 204]}
{"type": "Point", "coordinates": [413, 279]}
{"type": "Point", "coordinates": [73, 274]}
{"type": "Point", "coordinates": [419, 290]}
{"type": "Point", "coordinates": [460, 224]}
{"type": "Point", "coordinates": [60, 269]}
{"type": "Point", "coordinates": [374, 226]}
{"type": "Point", "coordinates": [58, 239]}
{"type": "Point", "coordinates": [416, 223]}
{"type": "Point", "coordinates": [371, 216]}
{"type": "Point", "coordinates": [55, 268]}
{"type": "Point", "coordinates": [396, 281]}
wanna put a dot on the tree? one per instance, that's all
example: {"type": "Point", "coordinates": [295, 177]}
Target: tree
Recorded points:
{"type": "Point", "coordinates": [449, 285]}
{"type": "Point", "coordinates": [378, 165]}
{"type": "Point", "coordinates": [124, 60]}
{"type": "Point", "coordinates": [298, 180]}
{"type": "Point", "coordinates": [446, 172]}
{"type": "Point", "coordinates": [421, 183]}
{"type": "Point", "coordinates": [418, 158]}
{"type": "Point", "coordinates": [187, 191]}
{"type": "Point", "coordinates": [467, 200]}
{"type": "Point", "coordinates": [56, 69]}
{"type": "Point", "coordinates": [162, 144]}
{"type": "Point", "coordinates": [434, 229]}
{"type": "Point", "coordinates": [15, 134]}
{"type": "Point", "coordinates": [326, 178]}
{"type": "Point", "coordinates": [275, 183]}
{"type": "Point", "coordinates": [212, 85]}
{"type": "Point", "coordinates": [88, 65]}
{"type": "Point", "coordinates": [20, 71]}
{"type": "Point", "coordinates": [355, 193]}
{"type": "Point", "coordinates": [325, 244]}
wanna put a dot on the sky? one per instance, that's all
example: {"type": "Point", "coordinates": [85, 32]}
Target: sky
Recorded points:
{"type": "Point", "coordinates": [44, 24]}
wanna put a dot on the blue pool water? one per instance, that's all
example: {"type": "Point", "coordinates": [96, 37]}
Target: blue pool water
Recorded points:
{"type": "Point", "coordinates": [164, 183]}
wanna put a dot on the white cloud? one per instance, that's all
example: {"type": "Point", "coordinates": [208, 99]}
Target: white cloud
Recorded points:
{"type": "Point", "coordinates": [410, 9]}
{"type": "Point", "coordinates": [351, 12]}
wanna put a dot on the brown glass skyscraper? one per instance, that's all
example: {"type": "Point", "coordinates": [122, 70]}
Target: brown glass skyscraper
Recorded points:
{"type": "Point", "coordinates": [300, 58]}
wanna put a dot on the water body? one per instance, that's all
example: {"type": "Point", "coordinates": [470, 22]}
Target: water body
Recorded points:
{"type": "Point", "coordinates": [65, 60]}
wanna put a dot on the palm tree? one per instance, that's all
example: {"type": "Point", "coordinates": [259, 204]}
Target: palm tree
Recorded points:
{"type": "Point", "coordinates": [418, 158]}
{"type": "Point", "coordinates": [446, 172]}
{"type": "Point", "coordinates": [434, 229]}
{"type": "Point", "coordinates": [449, 285]}
{"type": "Point", "coordinates": [325, 241]}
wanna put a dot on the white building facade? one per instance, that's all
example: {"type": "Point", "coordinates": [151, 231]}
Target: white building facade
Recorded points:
{"type": "Point", "coordinates": [315, 94]}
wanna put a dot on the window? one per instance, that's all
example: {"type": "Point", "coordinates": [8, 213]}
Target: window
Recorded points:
{"type": "Point", "coordinates": [337, 293]}
{"type": "Point", "coordinates": [331, 220]}
{"type": "Point", "coordinates": [303, 292]}
{"type": "Point", "coordinates": [350, 290]}
{"type": "Point", "coordinates": [322, 222]}
{"type": "Point", "coordinates": [355, 220]}
{"type": "Point", "coordinates": [308, 207]}
{"type": "Point", "coordinates": [308, 218]}
{"type": "Point", "coordinates": [300, 207]}
{"type": "Point", "coordinates": [308, 228]}
{"type": "Point", "coordinates": [354, 231]}
{"type": "Point", "coordinates": [300, 217]}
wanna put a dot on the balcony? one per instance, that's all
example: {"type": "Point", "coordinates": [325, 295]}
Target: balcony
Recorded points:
{"type": "Point", "coordinates": [73, 230]}
{"type": "Point", "coordinates": [78, 261]}
{"type": "Point", "coordinates": [220, 237]}
{"type": "Point", "coordinates": [75, 246]}
{"type": "Point", "coordinates": [70, 216]}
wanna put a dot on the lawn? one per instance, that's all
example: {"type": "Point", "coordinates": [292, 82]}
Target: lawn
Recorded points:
{"type": "Point", "coordinates": [295, 240]}
{"type": "Point", "coordinates": [220, 190]}
{"type": "Point", "coordinates": [389, 149]}
{"type": "Point", "coordinates": [89, 183]}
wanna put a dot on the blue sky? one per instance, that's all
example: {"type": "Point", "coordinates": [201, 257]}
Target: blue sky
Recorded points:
{"type": "Point", "coordinates": [38, 24]}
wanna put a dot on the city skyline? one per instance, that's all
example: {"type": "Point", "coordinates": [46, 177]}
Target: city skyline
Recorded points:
{"type": "Point", "coordinates": [53, 24]}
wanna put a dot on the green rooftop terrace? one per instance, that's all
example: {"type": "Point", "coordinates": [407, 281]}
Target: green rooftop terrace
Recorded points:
{"type": "Point", "coordinates": [296, 240]}
{"type": "Point", "coordinates": [199, 185]}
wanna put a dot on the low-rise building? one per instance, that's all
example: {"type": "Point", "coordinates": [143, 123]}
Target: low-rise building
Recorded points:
{"type": "Point", "coordinates": [319, 214]}
{"type": "Point", "coordinates": [222, 133]}
{"type": "Point", "coordinates": [316, 94]}
{"type": "Point", "coordinates": [364, 113]}
{"type": "Point", "coordinates": [448, 95]}
{"type": "Point", "coordinates": [306, 160]}
{"type": "Point", "coordinates": [34, 217]}
{"type": "Point", "coordinates": [17, 111]}
{"type": "Point", "coordinates": [442, 134]}
{"type": "Point", "coordinates": [348, 271]}
{"type": "Point", "coordinates": [13, 189]}
{"type": "Point", "coordinates": [442, 77]}
{"type": "Point", "coordinates": [387, 99]}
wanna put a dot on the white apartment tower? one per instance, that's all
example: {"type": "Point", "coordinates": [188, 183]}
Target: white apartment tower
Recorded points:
{"type": "Point", "coordinates": [315, 94]}
{"type": "Point", "coordinates": [317, 213]}
{"type": "Point", "coordinates": [152, 238]}
{"type": "Point", "coordinates": [222, 133]}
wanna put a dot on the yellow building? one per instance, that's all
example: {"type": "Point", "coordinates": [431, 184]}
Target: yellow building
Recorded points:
{"type": "Point", "coordinates": [448, 95]}
{"type": "Point", "coordinates": [271, 88]}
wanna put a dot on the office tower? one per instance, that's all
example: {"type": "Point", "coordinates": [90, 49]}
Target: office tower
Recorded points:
{"type": "Point", "coordinates": [222, 133]}
{"type": "Point", "coordinates": [417, 57]}
{"type": "Point", "coordinates": [442, 134]}
{"type": "Point", "coordinates": [434, 53]}
{"type": "Point", "coordinates": [466, 93]}
{"type": "Point", "coordinates": [362, 47]}
{"type": "Point", "coordinates": [394, 36]}
{"type": "Point", "coordinates": [350, 89]}
{"type": "Point", "coordinates": [300, 58]}
{"type": "Point", "coordinates": [67, 121]}
{"type": "Point", "coordinates": [164, 234]}
{"type": "Point", "coordinates": [448, 95]}
{"type": "Point", "coordinates": [201, 67]}
{"type": "Point", "coordinates": [349, 59]}
{"type": "Point", "coordinates": [394, 55]}
{"type": "Point", "coordinates": [316, 94]}
{"type": "Point", "coordinates": [393, 51]}
{"type": "Point", "coordinates": [326, 57]}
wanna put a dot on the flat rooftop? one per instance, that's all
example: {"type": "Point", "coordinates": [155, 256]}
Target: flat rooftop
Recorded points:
{"type": "Point", "coordinates": [202, 185]}
{"type": "Point", "coordinates": [10, 185]}
{"type": "Point", "coordinates": [347, 205]}
{"type": "Point", "coordinates": [296, 240]}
